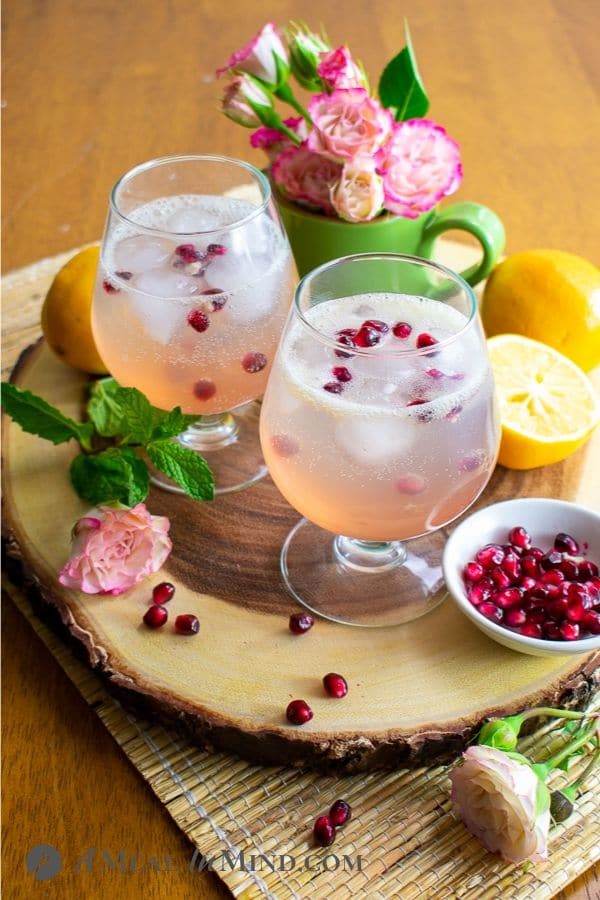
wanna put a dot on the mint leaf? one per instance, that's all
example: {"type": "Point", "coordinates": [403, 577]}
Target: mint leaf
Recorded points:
{"type": "Point", "coordinates": [400, 85]}
{"type": "Point", "coordinates": [138, 419]}
{"type": "Point", "coordinates": [113, 474]}
{"type": "Point", "coordinates": [170, 424]}
{"type": "Point", "coordinates": [104, 409]}
{"type": "Point", "coordinates": [35, 416]}
{"type": "Point", "coordinates": [184, 466]}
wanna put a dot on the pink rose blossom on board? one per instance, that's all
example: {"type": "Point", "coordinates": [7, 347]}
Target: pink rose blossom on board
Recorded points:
{"type": "Point", "coordinates": [273, 141]}
{"type": "Point", "coordinates": [503, 804]}
{"type": "Point", "coordinates": [347, 124]}
{"type": "Point", "coordinates": [114, 549]}
{"type": "Point", "coordinates": [306, 177]}
{"type": "Point", "coordinates": [259, 56]}
{"type": "Point", "coordinates": [358, 197]}
{"type": "Point", "coordinates": [337, 69]}
{"type": "Point", "coordinates": [420, 164]}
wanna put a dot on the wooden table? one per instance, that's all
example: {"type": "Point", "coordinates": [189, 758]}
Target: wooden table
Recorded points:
{"type": "Point", "coordinates": [90, 89]}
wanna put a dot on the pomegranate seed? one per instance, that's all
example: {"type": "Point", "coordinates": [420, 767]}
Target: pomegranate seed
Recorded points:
{"type": "Point", "coordinates": [551, 631]}
{"type": "Point", "coordinates": [575, 611]}
{"type": "Point", "coordinates": [425, 340]}
{"type": "Point", "coordinates": [570, 569]}
{"type": "Point", "coordinates": [340, 813]}
{"type": "Point", "coordinates": [510, 548]}
{"type": "Point", "coordinates": [401, 330]}
{"type": "Point", "coordinates": [126, 276]}
{"type": "Point", "coordinates": [204, 389]}
{"type": "Point", "coordinates": [490, 611]}
{"type": "Point", "coordinates": [298, 712]}
{"type": "Point", "coordinates": [553, 576]}
{"type": "Point", "coordinates": [163, 592]}
{"type": "Point", "coordinates": [254, 362]}
{"type": "Point", "coordinates": [347, 341]}
{"type": "Point", "coordinates": [591, 622]}
{"type": "Point", "coordinates": [109, 288]}
{"type": "Point", "coordinates": [367, 337]}
{"type": "Point", "coordinates": [324, 831]}
{"type": "Point", "coordinates": [478, 593]}
{"type": "Point", "coordinates": [536, 553]}
{"type": "Point", "coordinates": [335, 685]}
{"type": "Point", "coordinates": [490, 556]}
{"type": "Point", "coordinates": [470, 462]}
{"type": "Point", "coordinates": [550, 560]}
{"type": "Point", "coordinates": [341, 373]}
{"type": "Point", "coordinates": [411, 484]}
{"type": "Point", "coordinates": [500, 578]}
{"type": "Point", "coordinates": [434, 373]}
{"type": "Point", "coordinates": [216, 250]}
{"type": "Point", "coordinates": [515, 618]}
{"type": "Point", "coordinates": [284, 445]}
{"type": "Point", "coordinates": [577, 592]}
{"type": "Point", "coordinates": [509, 597]}
{"type": "Point", "coordinates": [541, 591]}
{"type": "Point", "coordinates": [188, 253]}
{"type": "Point", "coordinates": [512, 566]}
{"type": "Point", "coordinates": [537, 616]}
{"type": "Point", "coordinates": [569, 631]}
{"type": "Point", "coordinates": [300, 623]}
{"type": "Point", "coordinates": [454, 413]}
{"type": "Point", "coordinates": [527, 583]}
{"type": "Point", "coordinates": [155, 616]}
{"type": "Point", "coordinates": [473, 571]}
{"type": "Point", "coordinates": [531, 629]}
{"type": "Point", "coordinates": [566, 544]}
{"type": "Point", "coordinates": [588, 569]}
{"type": "Point", "coordinates": [377, 324]}
{"type": "Point", "coordinates": [333, 387]}
{"type": "Point", "coordinates": [424, 416]}
{"type": "Point", "coordinates": [558, 608]}
{"type": "Point", "coordinates": [530, 566]}
{"type": "Point", "coordinates": [519, 537]}
{"type": "Point", "coordinates": [187, 624]}
{"type": "Point", "coordinates": [198, 320]}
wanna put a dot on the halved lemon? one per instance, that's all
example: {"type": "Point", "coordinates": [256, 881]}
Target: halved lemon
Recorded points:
{"type": "Point", "coordinates": [548, 406]}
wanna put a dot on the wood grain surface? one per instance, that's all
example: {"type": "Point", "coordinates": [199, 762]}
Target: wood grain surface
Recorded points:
{"type": "Point", "coordinates": [92, 88]}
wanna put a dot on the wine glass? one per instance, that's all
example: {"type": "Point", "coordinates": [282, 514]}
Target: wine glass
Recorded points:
{"type": "Point", "coordinates": [194, 284]}
{"type": "Point", "coordinates": [379, 426]}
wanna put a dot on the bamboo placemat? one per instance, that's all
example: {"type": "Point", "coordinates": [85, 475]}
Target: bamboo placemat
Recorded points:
{"type": "Point", "coordinates": [403, 830]}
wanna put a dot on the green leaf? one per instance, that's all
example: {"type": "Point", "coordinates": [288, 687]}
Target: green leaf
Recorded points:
{"type": "Point", "coordinates": [400, 85]}
{"type": "Point", "coordinates": [113, 474]}
{"type": "Point", "coordinates": [170, 424]}
{"type": "Point", "coordinates": [184, 466]}
{"type": "Point", "coordinates": [35, 416]}
{"type": "Point", "coordinates": [104, 409]}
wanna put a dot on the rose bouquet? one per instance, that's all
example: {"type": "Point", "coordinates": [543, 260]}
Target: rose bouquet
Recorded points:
{"type": "Point", "coordinates": [349, 153]}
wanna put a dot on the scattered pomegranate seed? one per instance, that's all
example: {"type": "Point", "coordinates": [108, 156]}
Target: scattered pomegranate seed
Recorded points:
{"type": "Point", "coordinates": [553, 576]}
{"type": "Point", "coordinates": [411, 484]}
{"type": "Point", "coordinates": [417, 402]}
{"type": "Point", "coordinates": [298, 712]}
{"type": "Point", "coordinates": [335, 685]}
{"type": "Point", "coordinates": [454, 413]}
{"type": "Point", "coordinates": [155, 616]}
{"type": "Point", "coordinates": [341, 373]}
{"type": "Point", "coordinates": [402, 330]}
{"type": "Point", "coordinates": [519, 537]}
{"type": "Point", "coordinates": [473, 571]}
{"type": "Point", "coordinates": [163, 592]}
{"type": "Point", "coordinates": [254, 362]}
{"type": "Point", "coordinates": [347, 341]}
{"type": "Point", "coordinates": [300, 623]}
{"type": "Point", "coordinates": [333, 387]}
{"type": "Point", "coordinates": [566, 544]}
{"type": "Point", "coordinates": [198, 320]}
{"type": "Point", "coordinates": [377, 324]}
{"type": "Point", "coordinates": [511, 565]}
{"type": "Point", "coordinates": [530, 566]}
{"type": "Point", "coordinates": [109, 288]}
{"type": "Point", "coordinates": [324, 831]}
{"type": "Point", "coordinates": [478, 593]}
{"type": "Point", "coordinates": [285, 445]}
{"type": "Point", "coordinates": [217, 303]}
{"type": "Point", "coordinates": [509, 597]}
{"type": "Point", "coordinates": [575, 611]}
{"type": "Point", "coordinates": [514, 618]}
{"type": "Point", "coordinates": [205, 389]}
{"type": "Point", "coordinates": [187, 624]}
{"type": "Point", "coordinates": [367, 337]}
{"type": "Point", "coordinates": [434, 373]}
{"type": "Point", "coordinates": [527, 583]}
{"type": "Point", "coordinates": [550, 560]}
{"type": "Point", "coordinates": [470, 462]}
{"type": "Point", "coordinates": [490, 556]}
{"type": "Point", "coordinates": [531, 629]}
{"type": "Point", "coordinates": [588, 569]}
{"type": "Point", "coordinates": [188, 253]}
{"type": "Point", "coordinates": [570, 569]}
{"type": "Point", "coordinates": [490, 611]}
{"type": "Point", "coordinates": [500, 578]}
{"type": "Point", "coordinates": [216, 250]}
{"type": "Point", "coordinates": [340, 813]}
{"type": "Point", "coordinates": [425, 340]}
{"type": "Point", "coordinates": [569, 631]}
{"type": "Point", "coordinates": [126, 276]}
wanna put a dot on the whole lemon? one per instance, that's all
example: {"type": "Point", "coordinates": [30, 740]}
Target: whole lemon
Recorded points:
{"type": "Point", "coordinates": [67, 313]}
{"type": "Point", "coordinates": [550, 296]}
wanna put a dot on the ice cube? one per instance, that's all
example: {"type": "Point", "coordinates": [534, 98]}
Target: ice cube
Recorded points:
{"type": "Point", "coordinates": [141, 252]}
{"type": "Point", "coordinates": [190, 220]}
{"type": "Point", "coordinates": [375, 440]}
{"type": "Point", "coordinates": [159, 317]}
{"type": "Point", "coordinates": [167, 284]}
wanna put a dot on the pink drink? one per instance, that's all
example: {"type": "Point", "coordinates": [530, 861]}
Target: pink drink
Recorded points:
{"type": "Point", "coordinates": [193, 321]}
{"type": "Point", "coordinates": [400, 447]}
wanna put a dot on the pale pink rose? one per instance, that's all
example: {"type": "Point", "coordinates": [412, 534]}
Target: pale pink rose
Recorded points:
{"type": "Point", "coordinates": [273, 141]}
{"type": "Point", "coordinates": [358, 196]}
{"type": "Point", "coordinates": [115, 548]}
{"type": "Point", "coordinates": [420, 164]}
{"type": "Point", "coordinates": [337, 69]}
{"type": "Point", "coordinates": [503, 803]}
{"type": "Point", "coordinates": [306, 177]}
{"type": "Point", "coordinates": [261, 57]}
{"type": "Point", "coordinates": [242, 97]}
{"type": "Point", "coordinates": [347, 124]}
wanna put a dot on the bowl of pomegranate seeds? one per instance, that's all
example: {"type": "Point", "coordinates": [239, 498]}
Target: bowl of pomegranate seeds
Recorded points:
{"type": "Point", "coordinates": [526, 573]}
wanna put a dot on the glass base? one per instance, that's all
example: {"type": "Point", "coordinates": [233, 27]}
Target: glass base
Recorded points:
{"type": "Point", "coordinates": [363, 583]}
{"type": "Point", "coordinates": [230, 444]}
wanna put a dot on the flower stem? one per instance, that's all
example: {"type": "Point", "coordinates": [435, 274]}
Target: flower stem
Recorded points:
{"type": "Point", "coordinates": [553, 761]}
{"type": "Point", "coordinates": [286, 94]}
{"type": "Point", "coordinates": [289, 132]}
{"type": "Point", "coordinates": [571, 790]}
{"type": "Point", "coordinates": [557, 713]}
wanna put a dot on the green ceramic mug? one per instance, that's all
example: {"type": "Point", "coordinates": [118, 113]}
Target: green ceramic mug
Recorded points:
{"type": "Point", "coordinates": [316, 239]}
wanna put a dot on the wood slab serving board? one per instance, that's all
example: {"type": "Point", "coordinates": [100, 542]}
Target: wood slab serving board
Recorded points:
{"type": "Point", "coordinates": [417, 692]}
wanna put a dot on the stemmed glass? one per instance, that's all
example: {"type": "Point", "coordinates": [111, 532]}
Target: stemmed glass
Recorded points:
{"type": "Point", "coordinates": [193, 287]}
{"type": "Point", "coordinates": [379, 426]}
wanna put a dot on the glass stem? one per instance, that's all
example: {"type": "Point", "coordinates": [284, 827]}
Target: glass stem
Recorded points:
{"type": "Point", "coordinates": [369, 556]}
{"type": "Point", "coordinates": [210, 433]}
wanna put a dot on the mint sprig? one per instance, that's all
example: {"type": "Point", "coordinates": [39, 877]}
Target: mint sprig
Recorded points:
{"type": "Point", "coordinates": [125, 417]}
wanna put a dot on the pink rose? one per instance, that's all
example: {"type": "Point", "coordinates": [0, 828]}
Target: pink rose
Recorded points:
{"type": "Point", "coordinates": [265, 57]}
{"type": "Point", "coordinates": [420, 164]}
{"type": "Point", "coordinates": [358, 196]}
{"type": "Point", "coordinates": [503, 803]}
{"type": "Point", "coordinates": [337, 69]}
{"type": "Point", "coordinates": [273, 141]}
{"type": "Point", "coordinates": [306, 177]}
{"type": "Point", "coordinates": [347, 124]}
{"type": "Point", "coordinates": [115, 548]}
{"type": "Point", "coordinates": [242, 97]}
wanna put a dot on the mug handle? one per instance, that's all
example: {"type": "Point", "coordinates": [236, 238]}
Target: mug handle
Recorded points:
{"type": "Point", "coordinates": [478, 220]}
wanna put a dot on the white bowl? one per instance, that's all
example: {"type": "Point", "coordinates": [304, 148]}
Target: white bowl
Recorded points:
{"type": "Point", "coordinates": [543, 519]}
